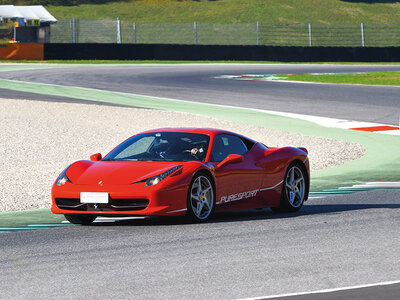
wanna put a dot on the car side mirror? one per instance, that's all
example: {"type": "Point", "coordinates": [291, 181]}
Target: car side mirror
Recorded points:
{"type": "Point", "coordinates": [231, 159]}
{"type": "Point", "coordinates": [96, 157]}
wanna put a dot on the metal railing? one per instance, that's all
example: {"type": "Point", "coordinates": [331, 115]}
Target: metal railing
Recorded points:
{"type": "Point", "coordinates": [116, 31]}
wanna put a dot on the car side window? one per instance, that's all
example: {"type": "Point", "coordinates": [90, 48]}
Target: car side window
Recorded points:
{"type": "Point", "coordinates": [225, 144]}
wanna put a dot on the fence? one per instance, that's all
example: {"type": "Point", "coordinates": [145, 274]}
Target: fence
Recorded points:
{"type": "Point", "coordinates": [116, 31]}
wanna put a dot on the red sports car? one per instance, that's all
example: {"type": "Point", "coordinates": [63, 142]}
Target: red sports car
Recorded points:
{"type": "Point", "coordinates": [173, 172]}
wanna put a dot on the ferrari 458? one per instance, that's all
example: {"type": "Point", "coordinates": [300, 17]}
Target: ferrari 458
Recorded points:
{"type": "Point", "coordinates": [174, 172]}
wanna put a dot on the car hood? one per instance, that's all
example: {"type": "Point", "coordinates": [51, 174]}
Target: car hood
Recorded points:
{"type": "Point", "coordinates": [116, 172]}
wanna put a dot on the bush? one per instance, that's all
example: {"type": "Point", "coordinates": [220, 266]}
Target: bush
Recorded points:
{"type": "Point", "coordinates": [6, 33]}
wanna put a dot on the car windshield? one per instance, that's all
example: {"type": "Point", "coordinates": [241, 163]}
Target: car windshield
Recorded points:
{"type": "Point", "coordinates": [162, 146]}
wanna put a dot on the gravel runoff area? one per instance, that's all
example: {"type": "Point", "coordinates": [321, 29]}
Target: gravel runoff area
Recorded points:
{"type": "Point", "coordinates": [39, 139]}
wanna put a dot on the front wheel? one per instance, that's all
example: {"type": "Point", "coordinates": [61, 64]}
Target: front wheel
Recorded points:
{"type": "Point", "coordinates": [200, 200]}
{"type": "Point", "coordinates": [80, 219]}
{"type": "Point", "coordinates": [294, 189]}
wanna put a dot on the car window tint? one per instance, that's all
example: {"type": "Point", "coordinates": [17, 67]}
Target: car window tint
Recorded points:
{"type": "Point", "coordinates": [141, 146]}
{"type": "Point", "coordinates": [249, 144]}
{"type": "Point", "coordinates": [162, 146]}
{"type": "Point", "coordinates": [225, 144]}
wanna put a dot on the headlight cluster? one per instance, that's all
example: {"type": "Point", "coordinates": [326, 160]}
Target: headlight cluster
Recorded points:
{"type": "Point", "coordinates": [63, 178]}
{"type": "Point", "coordinates": [156, 179]}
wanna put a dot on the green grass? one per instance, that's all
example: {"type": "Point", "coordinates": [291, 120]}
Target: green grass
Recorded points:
{"type": "Point", "coordinates": [265, 11]}
{"type": "Point", "coordinates": [374, 78]}
{"type": "Point", "coordinates": [230, 22]}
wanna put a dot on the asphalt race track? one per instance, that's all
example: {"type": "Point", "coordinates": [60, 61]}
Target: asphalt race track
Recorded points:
{"type": "Point", "coordinates": [334, 242]}
{"type": "Point", "coordinates": [197, 83]}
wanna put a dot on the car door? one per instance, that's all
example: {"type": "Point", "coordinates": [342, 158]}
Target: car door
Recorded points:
{"type": "Point", "coordinates": [237, 183]}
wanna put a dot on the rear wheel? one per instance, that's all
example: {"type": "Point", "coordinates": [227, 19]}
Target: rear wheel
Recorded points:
{"type": "Point", "coordinates": [200, 200]}
{"type": "Point", "coordinates": [80, 219]}
{"type": "Point", "coordinates": [294, 189]}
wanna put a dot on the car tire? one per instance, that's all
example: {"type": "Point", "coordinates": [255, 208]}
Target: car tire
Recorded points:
{"type": "Point", "coordinates": [80, 219]}
{"type": "Point", "coordinates": [200, 202]}
{"type": "Point", "coordinates": [294, 189]}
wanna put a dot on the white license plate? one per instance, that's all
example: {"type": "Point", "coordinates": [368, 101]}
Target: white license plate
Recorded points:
{"type": "Point", "coordinates": [94, 197]}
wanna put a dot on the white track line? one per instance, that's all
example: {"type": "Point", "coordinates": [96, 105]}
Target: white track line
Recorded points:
{"type": "Point", "coordinates": [378, 184]}
{"type": "Point", "coordinates": [325, 291]}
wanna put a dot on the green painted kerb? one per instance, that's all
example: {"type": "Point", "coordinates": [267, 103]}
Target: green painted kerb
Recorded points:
{"type": "Point", "coordinates": [380, 162]}
{"type": "Point", "coordinates": [18, 219]}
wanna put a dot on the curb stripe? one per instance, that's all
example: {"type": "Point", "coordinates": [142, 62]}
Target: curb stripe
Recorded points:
{"type": "Point", "coordinates": [376, 128]}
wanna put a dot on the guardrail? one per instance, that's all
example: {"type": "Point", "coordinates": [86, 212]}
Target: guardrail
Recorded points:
{"type": "Point", "coordinates": [79, 51]}
{"type": "Point", "coordinates": [114, 51]}
{"type": "Point", "coordinates": [199, 33]}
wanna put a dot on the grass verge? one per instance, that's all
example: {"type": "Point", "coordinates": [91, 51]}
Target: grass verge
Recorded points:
{"type": "Point", "coordinates": [271, 11]}
{"type": "Point", "coordinates": [372, 78]}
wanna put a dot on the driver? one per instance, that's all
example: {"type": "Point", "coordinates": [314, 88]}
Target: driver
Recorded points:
{"type": "Point", "coordinates": [161, 146]}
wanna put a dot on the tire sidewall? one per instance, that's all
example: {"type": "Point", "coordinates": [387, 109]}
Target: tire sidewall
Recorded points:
{"type": "Point", "coordinates": [190, 213]}
{"type": "Point", "coordinates": [285, 203]}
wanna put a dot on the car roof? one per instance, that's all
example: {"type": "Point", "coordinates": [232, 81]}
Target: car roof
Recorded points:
{"type": "Point", "coordinates": [209, 131]}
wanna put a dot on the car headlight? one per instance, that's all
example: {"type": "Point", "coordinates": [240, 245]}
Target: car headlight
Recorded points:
{"type": "Point", "coordinates": [63, 178]}
{"type": "Point", "coordinates": [156, 179]}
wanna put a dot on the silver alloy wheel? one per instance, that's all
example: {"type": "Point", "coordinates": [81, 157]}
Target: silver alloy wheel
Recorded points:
{"type": "Point", "coordinates": [201, 197]}
{"type": "Point", "coordinates": [295, 186]}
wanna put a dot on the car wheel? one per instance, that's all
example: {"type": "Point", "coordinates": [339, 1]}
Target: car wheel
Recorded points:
{"type": "Point", "coordinates": [200, 200]}
{"type": "Point", "coordinates": [294, 189]}
{"type": "Point", "coordinates": [80, 219]}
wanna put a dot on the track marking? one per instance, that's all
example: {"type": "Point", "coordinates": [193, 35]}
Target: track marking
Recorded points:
{"type": "Point", "coordinates": [378, 185]}
{"type": "Point", "coordinates": [325, 291]}
{"type": "Point", "coordinates": [376, 128]}
{"type": "Point", "coordinates": [32, 227]}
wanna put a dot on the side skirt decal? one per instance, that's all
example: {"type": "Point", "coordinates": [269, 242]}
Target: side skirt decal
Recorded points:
{"type": "Point", "coordinates": [272, 187]}
{"type": "Point", "coordinates": [245, 195]}
{"type": "Point", "coordinates": [175, 211]}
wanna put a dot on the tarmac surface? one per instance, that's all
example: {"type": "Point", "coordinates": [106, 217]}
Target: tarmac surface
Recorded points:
{"type": "Point", "coordinates": [379, 104]}
{"type": "Point", "coordinates": [336, 241]}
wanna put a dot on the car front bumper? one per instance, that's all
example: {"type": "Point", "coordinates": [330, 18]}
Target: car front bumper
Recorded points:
{"type": "Point", "coordinates": [124, 200]}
